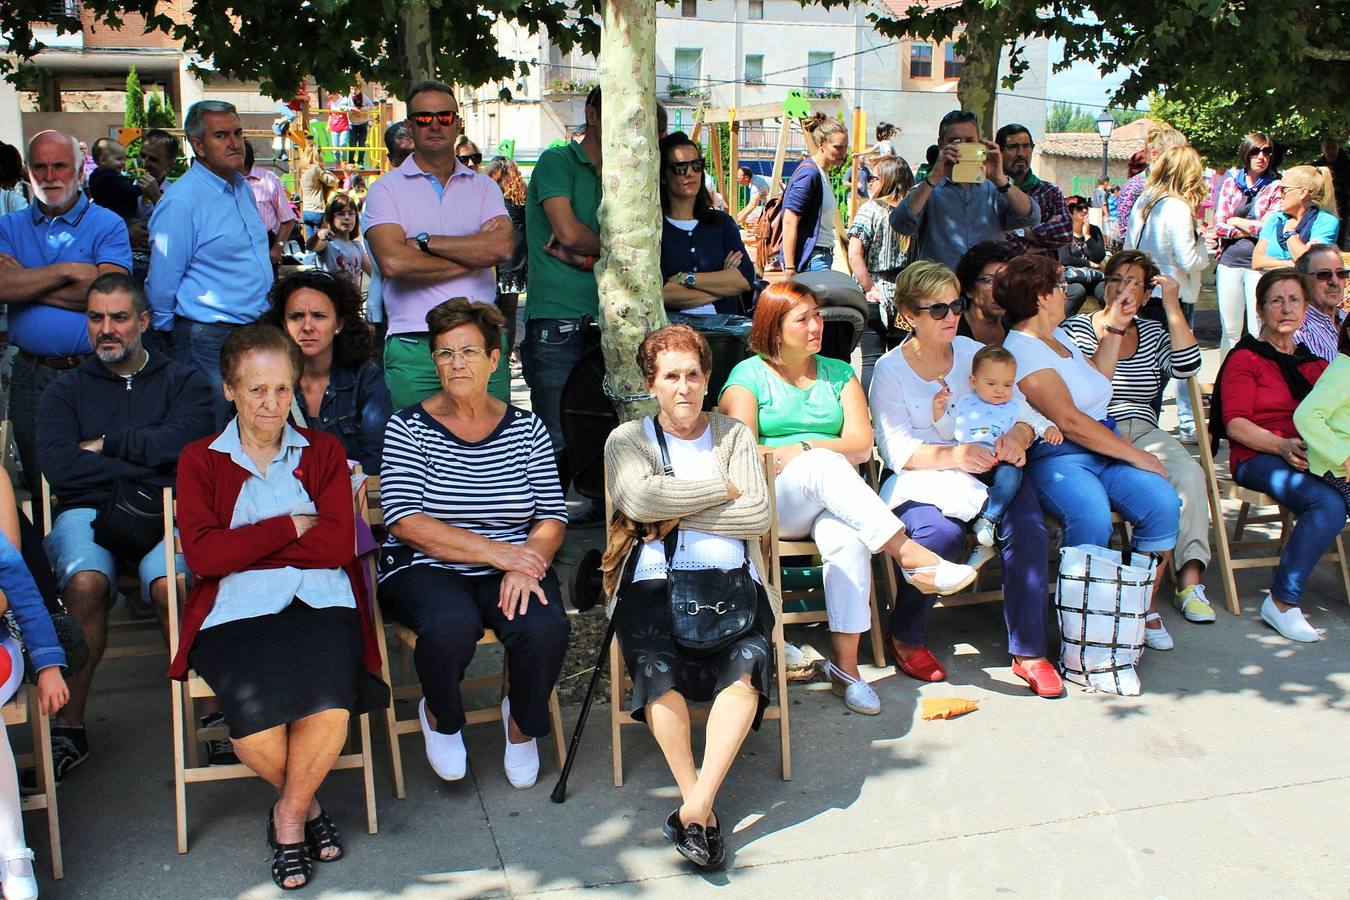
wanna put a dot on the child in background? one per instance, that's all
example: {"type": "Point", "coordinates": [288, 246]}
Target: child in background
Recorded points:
{"type": "Point", "coordinates": [982, 418]}
{"type": "Point", "coordinates": [338, 241]}
{"type": "Point", "coordinates": [109, 185]}
{"type": "Point", "coordinates": [35, 623]}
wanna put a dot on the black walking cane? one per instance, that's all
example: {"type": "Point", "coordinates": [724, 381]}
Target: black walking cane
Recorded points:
{"type": "Point", "coordinates": [586, 593]}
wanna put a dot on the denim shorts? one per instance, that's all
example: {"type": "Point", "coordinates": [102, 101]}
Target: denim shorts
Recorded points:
{"type": "Point", "coordinates": [71, 549]}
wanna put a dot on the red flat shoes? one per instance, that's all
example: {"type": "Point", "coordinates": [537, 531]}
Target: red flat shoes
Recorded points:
{"type": "Point", "coordinates": [1041, 676]}
{"type": "Point", "coordinates": [920, 664]}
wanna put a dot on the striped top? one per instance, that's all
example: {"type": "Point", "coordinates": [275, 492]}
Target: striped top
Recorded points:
{"type": "Point", "coordinates": [498, 487]}
{"type": "Point", "coordinates": [1136, 388]}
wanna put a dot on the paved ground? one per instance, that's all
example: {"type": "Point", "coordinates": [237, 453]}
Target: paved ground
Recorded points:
{"type": "Point", "coordinates": [1227, 778]}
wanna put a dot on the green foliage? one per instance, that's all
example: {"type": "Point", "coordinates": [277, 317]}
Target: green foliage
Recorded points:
{"type": "Point", "coordinates": [1211, 124]}
{"type": "Point", "coordinates": [335, 41]}
{"type": "Point", "coordinates": [168, 117]}
{"type": "Point", "coordinates": [134, 116]}
{"type": "Point", "coordinates": [1069, 117]}
{"type": "Point", "coordinates": [159, 112]}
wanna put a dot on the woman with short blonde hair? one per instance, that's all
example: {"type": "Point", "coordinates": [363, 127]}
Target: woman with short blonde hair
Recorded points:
{"type": "Point", "coordinates": [1307, 215]}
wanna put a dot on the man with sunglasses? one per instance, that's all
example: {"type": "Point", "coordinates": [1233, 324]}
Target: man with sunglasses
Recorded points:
{"type": "Point", "coordinates": [946, 218]}
{"type": "Point", "coordinates": [1322, 317]}
{"type": "Point", "coordinates": [562, 231]}
{"type": "Point", "coordinates": [436, 229]}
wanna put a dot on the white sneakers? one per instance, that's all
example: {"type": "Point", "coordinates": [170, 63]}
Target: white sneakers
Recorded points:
{"type": "Point", "coordinates": [1289, 623]}
{"type": "Point", "coordinates": [1157, 638]}
{"type": "Point", "coordinates": [446, 753]}
{"type": "Point", "coordinates": [521, 761]}
{"type": "Point", "coordinates": [13, 865]}
{"type": "Point", "coordinates": [450, 759]}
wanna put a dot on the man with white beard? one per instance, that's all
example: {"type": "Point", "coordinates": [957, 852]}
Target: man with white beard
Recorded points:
{"type": "Point", "coordinates": [113, 426]}
{"type": "Point", "coordinates": [49, 255]}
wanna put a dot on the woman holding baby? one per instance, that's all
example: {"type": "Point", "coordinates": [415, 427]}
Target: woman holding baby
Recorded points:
{"type": "Point", "coordinates": [916, 392]}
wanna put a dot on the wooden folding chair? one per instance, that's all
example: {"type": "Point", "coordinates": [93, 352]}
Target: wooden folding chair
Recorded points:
{"type": "Point", "coordinates": [369, 504]}
{"type": "Point", "coordinates": [188, 732]}
{"type": "Point", "coordinates": [24, 709]}
{"type": "Point", "coordinates": [778, 708]}
{"type": "Point", "coordinates": [1221, 487]}
{"type": "Point", "coordinates": [128, 582]}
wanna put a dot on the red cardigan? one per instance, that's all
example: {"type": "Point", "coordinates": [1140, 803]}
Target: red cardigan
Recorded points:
{"type": "Point", "coordinates": [209, 483]}
{"type": "Point", "coordinates": [1254, 389]}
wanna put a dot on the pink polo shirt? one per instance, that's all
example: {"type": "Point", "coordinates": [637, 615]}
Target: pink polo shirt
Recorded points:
{"type": "Point", "coordinates": [416, 201]}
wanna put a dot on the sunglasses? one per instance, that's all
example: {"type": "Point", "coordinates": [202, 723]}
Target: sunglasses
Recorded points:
{"type": "Point", "coordinates": [1325, 275]}
{"type": "Point", "coordinates": [684, 168]}
{"type": "Point", "coordinates": [940, 311]}
{"type": "Point", "coordinates": [445, 117]}
{"type": "Point", "coordinates": [471, 159]}
{"type": "Point", "coordinates": [1261, 151]}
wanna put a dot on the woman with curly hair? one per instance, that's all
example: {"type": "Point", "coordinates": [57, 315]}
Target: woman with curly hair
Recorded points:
{"type": "Point", "coordinates": [511, 274]}
{"type": "Point", "coordinates": [341, 390]}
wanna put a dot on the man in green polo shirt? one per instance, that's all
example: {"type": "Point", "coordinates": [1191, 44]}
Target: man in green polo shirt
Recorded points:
{"type": "Point", "coordinates": [562, 229]}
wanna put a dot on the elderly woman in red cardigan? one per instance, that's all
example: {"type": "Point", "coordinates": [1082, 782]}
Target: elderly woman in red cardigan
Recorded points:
{"type": "Point", "coordinates": [278, 620]}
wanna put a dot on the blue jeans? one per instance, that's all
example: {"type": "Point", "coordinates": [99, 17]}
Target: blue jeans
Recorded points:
{"type": "Point", "coordinates": [820, 260]}
{"type": "Point", "coordinates": [1080, 488]}
{"type": "Point", "coordinates": [27, 382]}
{"type": "Point", "coordinates": [312, 220]}
{"type": "Point", "coordinates": [71, 549]}
{"type": "Point", "coordinates": [197, 344]}
{"type": "Point", "coordinates": [549, 352]}
{"type": "Point", "coordinates": [1024, 547]}
{"type": "Point", "coordinates": [1004, 481]}
{"type": "Point", "coordinates": [1319, 510]}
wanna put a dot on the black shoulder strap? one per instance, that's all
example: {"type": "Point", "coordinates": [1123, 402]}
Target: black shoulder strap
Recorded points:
{"type": "Point", "coordinates": [669, 471]}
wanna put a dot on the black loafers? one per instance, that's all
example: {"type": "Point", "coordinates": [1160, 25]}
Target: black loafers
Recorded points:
{"type": "Point", "coordinates": [717, 848]}
{"type": "Point", "coordinates": [691, 841]}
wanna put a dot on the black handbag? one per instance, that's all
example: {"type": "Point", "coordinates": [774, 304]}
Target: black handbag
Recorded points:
{"type": "Point", "coordinates": [710, 609]}
{"type": "Point", "coordinates": [130, 520]}
{"type": "Point", "coordinates": [68, 632]}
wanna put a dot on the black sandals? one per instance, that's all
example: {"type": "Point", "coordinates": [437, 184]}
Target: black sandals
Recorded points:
{"type": "Point", "coordinates": [321, 834]}
{"type": "Point", "coordinates": [288, 860]}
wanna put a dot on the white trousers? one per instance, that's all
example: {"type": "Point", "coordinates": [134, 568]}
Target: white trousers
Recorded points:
{"type": "Point", "coordinates": [1237, 298]}
{"type": "Point", "coordinates": [821, 495]}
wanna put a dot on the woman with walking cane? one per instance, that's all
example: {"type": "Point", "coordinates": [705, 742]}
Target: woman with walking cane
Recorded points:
{"type": "Point", "coordinates": [691, 608]}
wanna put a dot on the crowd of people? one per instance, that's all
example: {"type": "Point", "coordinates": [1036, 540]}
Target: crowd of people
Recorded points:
{"type": "Point", "coordinates": [158, 346]}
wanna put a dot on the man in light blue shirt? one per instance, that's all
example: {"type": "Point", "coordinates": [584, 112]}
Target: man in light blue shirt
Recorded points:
{"type": "Point", "coordinates": [946, 218]}
{"type": "Point", "coordinates": [209, 265]}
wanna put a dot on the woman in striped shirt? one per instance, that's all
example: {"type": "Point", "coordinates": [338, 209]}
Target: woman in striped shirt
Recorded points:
{"type": "Point", "coordinates": [475, 515]}
{"type": "Point", "coordinates": [1151, 354]}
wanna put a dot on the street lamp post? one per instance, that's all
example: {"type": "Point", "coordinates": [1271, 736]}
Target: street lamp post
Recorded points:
{"type": "Point", "coordinates": [1104, 125]}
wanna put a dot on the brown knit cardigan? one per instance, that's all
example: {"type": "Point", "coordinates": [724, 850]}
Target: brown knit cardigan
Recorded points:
{"type": "Point", "coordinates": [641, 493]}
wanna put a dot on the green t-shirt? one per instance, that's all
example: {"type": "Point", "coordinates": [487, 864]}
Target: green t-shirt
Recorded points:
{"type": "Point", "coordinates": [555, 289]}
{"type": "Point", "coordinates": [787, 413]}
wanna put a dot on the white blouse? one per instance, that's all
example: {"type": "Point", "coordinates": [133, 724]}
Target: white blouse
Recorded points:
{"type": "Point", "coordinates": [902, 417]}
{"type": "Point", "coordinates": [1090, 389]}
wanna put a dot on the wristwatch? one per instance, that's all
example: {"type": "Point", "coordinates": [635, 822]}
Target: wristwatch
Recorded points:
{"type": "Point", "coordinates": [1007, 186]}
{"type": "Point", "coordinates": [1116, 331]}
{"type": "Point", "coordinates": [806, 446]}
{"type": "Point", "coordinates": [422, 242]}
{"type": "Point", "coordinates": [688, 279]}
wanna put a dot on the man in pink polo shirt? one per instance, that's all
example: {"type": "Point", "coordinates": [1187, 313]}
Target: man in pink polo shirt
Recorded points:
{"type": "Point", "coordinates": [436, 230]}
{"type": "Point", "coordinates": [278, 215]}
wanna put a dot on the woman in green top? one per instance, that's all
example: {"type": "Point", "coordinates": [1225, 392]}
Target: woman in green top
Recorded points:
{"type": "Point", "coordinates": [809, 410]}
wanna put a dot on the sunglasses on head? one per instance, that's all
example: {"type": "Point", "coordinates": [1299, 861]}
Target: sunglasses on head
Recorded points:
{"type": "Point", "coordinates": [940, 311]}
{"type": "Point", "coordinates": [684, 168]}
{"type": "Point", "coordinates": [444, 117]}
{"type": "Point", "coordinates": [471, 159]}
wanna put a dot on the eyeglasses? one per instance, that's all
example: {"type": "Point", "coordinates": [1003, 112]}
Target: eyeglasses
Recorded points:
{"type": "Point", "coordinates": [984, 279]}
{"type": "Point", "coordinates": [940, 311]}
{"type": "Point", "coordinates": [445, 117]}
{"type": "Point", "coordinates": [1119, 282]}
{"type": "Point", "coordinates": [1325, 275]}
{"type": "Point", "coordinates": [471, 159]}
{"type": "Point", "coordinates": [684, 168]}
{"type": "Point", "coordinates": [1063, 286]}
{"type": "Point", "coordinates": [470, 355]}
{"type": "Point", "coordinates": [1261, 151]}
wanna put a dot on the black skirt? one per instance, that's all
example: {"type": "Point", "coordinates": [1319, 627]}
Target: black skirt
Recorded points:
{"type": "Point", "coordinates": [656, 663]}
{"type": "Point", "coordinates": [271, 670]}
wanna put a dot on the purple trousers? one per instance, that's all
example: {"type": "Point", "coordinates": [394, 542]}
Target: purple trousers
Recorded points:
{"type": "Point", "coordinates": [1025, 547]}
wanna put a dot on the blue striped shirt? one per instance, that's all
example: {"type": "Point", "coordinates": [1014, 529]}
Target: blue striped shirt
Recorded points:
{"type": "Point", "coordinates": [498, 487]}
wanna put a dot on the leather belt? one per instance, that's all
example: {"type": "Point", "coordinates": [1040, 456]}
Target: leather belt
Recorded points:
{"type": "Point", "coordinates": [53, 362]}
